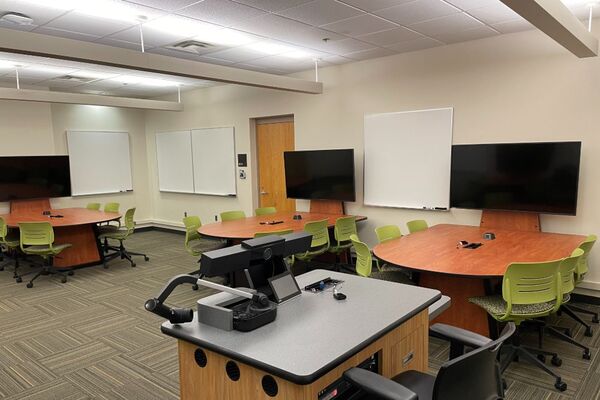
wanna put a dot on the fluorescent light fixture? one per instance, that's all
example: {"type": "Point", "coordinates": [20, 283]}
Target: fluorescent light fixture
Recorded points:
{"type": "Point", "coordinates": [49, 69]}
{"type": "Point", "coordinates": [108, 9]}
{"type": "Point", "coordinates": [270, 48]}
{"type": "Point", "coordinates": [4, 64]}
{"type": "Point", "coordinates": [91, 74]}
{"type": "Point", "coordinates": [57, 4]}
{"type": "Point", "coordinates": [298, 54]}
{"type": "Point", "coordinates": [225, 37]}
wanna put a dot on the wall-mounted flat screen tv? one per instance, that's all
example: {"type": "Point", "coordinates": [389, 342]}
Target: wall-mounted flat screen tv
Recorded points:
{"type": "Point", "coordinates": [320, 175]}
{"type": "Point", "coordinates": [34, 177]}
{"type": "Point", "coordinates": [531, 177]}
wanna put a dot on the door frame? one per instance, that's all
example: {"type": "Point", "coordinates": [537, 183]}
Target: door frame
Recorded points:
{"type": "Point", "coordinates": [254, 150]}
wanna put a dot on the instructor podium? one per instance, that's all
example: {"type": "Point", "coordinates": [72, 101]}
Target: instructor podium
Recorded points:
{"type": "Point", "coordinates": [381, 325]}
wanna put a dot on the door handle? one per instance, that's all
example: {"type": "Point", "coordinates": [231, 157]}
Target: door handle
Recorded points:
{"type": "Point", "coordinates": [264, 193]}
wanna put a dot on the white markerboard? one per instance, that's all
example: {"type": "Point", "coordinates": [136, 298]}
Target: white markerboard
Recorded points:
{"type": "Point", "coordinates": [407, 159]}
{"type": "Point", "coordinates": [213, 154]}
{"type": "Point", "coordinates": [175, 166]}
{"type": "Point", "coordinates": [99, 161]}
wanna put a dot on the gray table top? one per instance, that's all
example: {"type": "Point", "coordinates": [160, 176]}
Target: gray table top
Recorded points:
{"type": "Point", "coordinates": [314, 333]}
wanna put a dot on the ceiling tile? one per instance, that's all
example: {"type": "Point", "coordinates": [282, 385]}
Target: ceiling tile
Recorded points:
{"type": "Point", "coordinates": [374, 5]}
{"type": "Point", "coordinates": [417, 11]}
{"type": "Point", "coordinates": [121, 43]}
{"type": "Point", "coordinates": [367, 54]}
{"type": "Point", "coordinates": [65, 34]}
{"type": "Point", "coordinates": [448, 24]}
{"type": "Point", "coordinates": [345, 46]}
{"type": "Point", "coordinates": [211, 60]}
{"type": "Point", "coordinates": [469, 34]}
{"type": "Point", "coordinates": [167, 5]}
{"type": "Point", "coordinates": [152, 37]}
{"type": "Point", "coordinates": [237, 54]}
{"type": "Point", "coordinates": [470, 4]}
{"type": "Point", "coordinates": [273, 5]}
{"type": "Point", "coordinates": [39, 13]}
{"type": "Point", "coordinates": [414, 45]}
{"type": "Point", "coordinates": [336, 60]}
{"type": "Point", "coordinates": [320, 12]}
{"type": "Point", "coordinates": [260, 68]}
{"type": "Point", "coordinates": [359, 25]}
{"type": "Point", "coordinates": [513, 26]}
{"type": "Point", "coordinates": [177, 54]}
{"type": "Point", "coordinates": [86, 24]}
{"type": "Point", "coordinates": [391, 36]}
{"type": "Point", "coordinates": [494, 14]}
{"type": "Point", "coordinates": [222, 12]}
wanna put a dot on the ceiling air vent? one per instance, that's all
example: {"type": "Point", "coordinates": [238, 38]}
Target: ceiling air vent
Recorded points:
{"type": "Point", "coordinates": [191, 46]}
{"type": "Point", "coordinates": [71, 78]}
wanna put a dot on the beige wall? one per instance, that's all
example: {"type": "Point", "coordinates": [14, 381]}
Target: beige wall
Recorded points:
{"type": "Point", "coordinates": [520, 87]}
{"type": "Point", "coordinates": [38, 128]}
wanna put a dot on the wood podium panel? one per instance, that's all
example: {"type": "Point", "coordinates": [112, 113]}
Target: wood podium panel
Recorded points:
{"type": "Point", "coordinates": [516, 221]}
{"type": "Point", "coordinates": [404, 348]}
{"type": "Point", "coordinates": [327, 206]}
{"type": "Point", "coordinates": [37, 205]}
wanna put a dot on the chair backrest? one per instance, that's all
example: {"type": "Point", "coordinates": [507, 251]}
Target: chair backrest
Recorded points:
{"type": "Point", "coordinates": [417, 225]}
{"type": "Point", "coordinates": [265, 211]}
{"type": "Point", "coordinates": [93, 206]}
{"type": "Point", "coordinates": [364, 259]}
{"type": "Point", "coordinates": [532, 283]}
{"type": "Point", "coordinates": [36, 234]}
{"type": "Point", "coordinates": [344, 228]}
{"type": "Point", "coordinates": [192, 223]}
{"type": "Point", "coordinates": [319, 232]}
{"type": "Point", "coordinates": [278, 233]}
{"type": "Point", "coordinates": [567, 271]}
{"type": "Point", "coordinates": [112, 207]}
{"type": "Point", "coordinates": [232, 215]}
{"type": "Point", "coordinates": [586, 246]}
{"type": "Point", "coordinates": [387, 232]}
{"type": "Point", "coordinates": [129, 222]}
{"type": "Point", "coordinates": [3, 230]}
{"type": "Point", "coordinates": [474, 375]}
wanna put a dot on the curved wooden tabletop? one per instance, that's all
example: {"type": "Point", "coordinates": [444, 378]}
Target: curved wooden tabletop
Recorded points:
{"type": "Point", "coordinates": [434, 250]}
{"type": "Point", "coordinates": [71, 217]}
{"type": "Point", "coordinates": [246, 228]}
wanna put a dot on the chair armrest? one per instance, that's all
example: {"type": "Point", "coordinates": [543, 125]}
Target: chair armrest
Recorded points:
{"type": "Point", "coordinates": [458, 335]}
{"type": "Point", "coordinates": [377, 385]}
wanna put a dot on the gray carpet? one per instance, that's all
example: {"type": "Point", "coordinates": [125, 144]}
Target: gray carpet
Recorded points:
{"type": "Point", "coordinates": [92, 339]}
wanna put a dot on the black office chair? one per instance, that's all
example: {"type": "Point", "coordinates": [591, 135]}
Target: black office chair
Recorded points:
{"type": "Point", "coordinates": [474, 375]}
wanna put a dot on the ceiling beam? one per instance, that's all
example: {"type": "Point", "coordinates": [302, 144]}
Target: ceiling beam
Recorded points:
{"type": "Point", "coordinates": [45, 96]}
{"type": "Point", "coordinates": [554, 19]}
{"type": "Point", "coordinates": [36, 44]}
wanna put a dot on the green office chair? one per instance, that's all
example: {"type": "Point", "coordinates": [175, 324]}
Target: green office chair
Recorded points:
{"type": "Point", "coordinates": [580, 272]}
{"type": "Point", "coordinates": [387, 232]}
{"type": "Point", "coordinates": [194, 243]}
{"type": "Point", "coordinates": [265, 211]}
{"type": "Point", "coordinates": [343, 229]}
{"type": "Point", "coordinates": [232, 215]}
{"type": "Point", "coordinates": [417, 225]}
{"type": "Point", "coordinates": [529, 291]}
{"type": "Point", "coordinates": [9, 246]}
{"type": "Point", "coordinates": [106, 227]}
{"type": "Point", "coordinates": [320, 239]}
{"type": "Point", "coordinates": [37, 239]}
{"type": "Point", "coordinates": [364, 265]}
{"type": "Point", "coordinates": [121, 235]}
{"type": "Point", "coordinates": [278, 233]}
{"type": "Point", "coordinates": [112, 207]}
{"type": "Point", "coordinates": [93, 206]}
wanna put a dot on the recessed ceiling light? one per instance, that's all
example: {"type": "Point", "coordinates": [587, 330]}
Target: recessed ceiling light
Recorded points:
{"type": "Point", "coordinates": [16, 18]}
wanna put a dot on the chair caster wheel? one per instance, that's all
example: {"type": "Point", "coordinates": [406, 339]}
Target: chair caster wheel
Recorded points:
{"type": "Point", "coordinates": [557, 362]}
{"type": "Point", "coordinates": [194, 287]}
{"type": "Point", "coordinates": [133, 264]}
{"type": "Point", "coordinates": [541, 357]}
{"type": "Point", "coordinates": [589, 332]}
{"type": "Point", "coordinates": [560, 385]}
{"type": "Point", "coordinates": [146, 258]}
{"type": "Point", "coordinates": [70, 273]}
{"type": "Point", "coordinates": [29, 285]}
{"type": "Point", "coordinates": [587, 355]}
{"type": "Point", "coordinates": [595, 320]}
{"type": "Point", "coordinates": [63, 279]}
{"type": "Point", "coordinates": [18, 279]}
{"type": "Point", "coordinates": [1, 268]}
{"type": "Point", "coordinates": [568, 333]}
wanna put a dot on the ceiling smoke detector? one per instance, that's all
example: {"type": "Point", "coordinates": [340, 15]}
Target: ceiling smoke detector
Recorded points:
{"type": "Point", "coordinates": [191, 46]}
{"type": "Point", "coordinates": [16, 18]}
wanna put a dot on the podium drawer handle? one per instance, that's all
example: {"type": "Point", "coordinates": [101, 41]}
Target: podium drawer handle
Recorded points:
{"type": "Point", "coordinates": [408, 358]}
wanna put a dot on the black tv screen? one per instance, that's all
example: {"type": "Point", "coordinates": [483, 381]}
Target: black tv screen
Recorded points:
{"type": "Point", "coordinates": [34, 177]}
{"type": "Point", "coordinates": [534, 177]}
{"type": "Point", "coordinates": [320, 175]}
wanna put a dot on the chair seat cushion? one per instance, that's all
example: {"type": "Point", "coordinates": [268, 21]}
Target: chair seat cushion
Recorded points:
{"type": "Point", "coordinates": [201, 245]}
{"type": "Point", "coordinates": [417, 382]}
{"type": "Point", "coordinates": [117, 234]}
{"type": "Point", "coordinates": [10, 242]}
{"type": "Point", "coordinates": [495, 305]}
{"type": "Point", "coordinates": [44, 250]}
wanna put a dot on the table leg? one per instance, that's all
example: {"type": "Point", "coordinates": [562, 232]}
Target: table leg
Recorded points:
{"type": "Point", "coordinates": [84, 249]}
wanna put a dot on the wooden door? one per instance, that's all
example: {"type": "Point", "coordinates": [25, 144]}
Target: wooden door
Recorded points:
{"type": "Point", "coordinates": [272, 139]}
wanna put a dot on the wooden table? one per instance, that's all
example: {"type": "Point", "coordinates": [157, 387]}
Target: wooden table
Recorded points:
{"type": "Point", "coordinates": [463, 273]}
{"type": "Point", "coordinates": [78, 227]}
{"type": "Point", "coordinates": [245, 228]}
